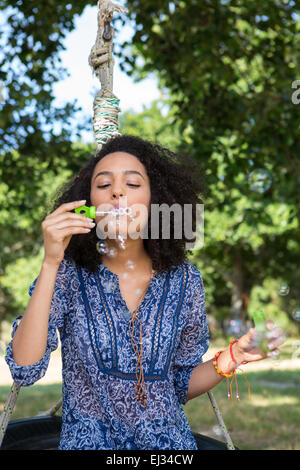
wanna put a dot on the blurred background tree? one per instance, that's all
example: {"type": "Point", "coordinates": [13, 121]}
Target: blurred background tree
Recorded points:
{"type": "Point", "coordinates": [227, 68]}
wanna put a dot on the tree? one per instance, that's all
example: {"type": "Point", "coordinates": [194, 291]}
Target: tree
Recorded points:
{"type": "Point", "coordinates": [228, 68]}
{"type": "Point", "coordinates": [21, 233]}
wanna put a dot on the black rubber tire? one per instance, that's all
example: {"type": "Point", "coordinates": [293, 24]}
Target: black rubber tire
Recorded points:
{"type": "Point", "coordinates": [43, 433]}
{"type": "Point", "coordinates": [40, 433]}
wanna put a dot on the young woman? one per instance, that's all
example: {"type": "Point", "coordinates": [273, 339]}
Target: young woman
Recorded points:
{"type": "Point", "coordinates": [132, 339]}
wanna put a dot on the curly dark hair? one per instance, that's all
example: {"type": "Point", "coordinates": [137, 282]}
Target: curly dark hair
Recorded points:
{"type": "Point", "coordinates": [174, 178]}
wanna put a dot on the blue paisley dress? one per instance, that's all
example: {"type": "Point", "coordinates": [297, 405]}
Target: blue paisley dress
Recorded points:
{"type": "Point", "coordinates": [99, 365]}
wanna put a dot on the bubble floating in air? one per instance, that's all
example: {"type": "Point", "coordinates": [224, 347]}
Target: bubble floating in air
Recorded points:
{"type": "Point", "coordinates": [234, 327]}
{"type": "Point", "coordinates": [112, 252]}
{"type": "Point", "coordinates": [260, 180]}
{"type": "Point", "coordinates": [102, 247]}
{"type": "Point", "coordinates": [130, 265]}
{"type": "Point", "coordinates": [217, 430]}
{"type": "Point", "coordinates": [121, 241]}
{"type": "Point", "coordinates": [283, 289]}
{"type": "Point", "coordinates": [296, 314]}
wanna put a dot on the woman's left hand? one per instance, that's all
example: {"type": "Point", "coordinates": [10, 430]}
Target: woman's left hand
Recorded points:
{"type": "Point", "coordinates": [248, 350]}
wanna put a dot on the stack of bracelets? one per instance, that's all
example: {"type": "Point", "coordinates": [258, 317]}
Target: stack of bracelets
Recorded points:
{"type": "Point", "coordinates": [232, 375]}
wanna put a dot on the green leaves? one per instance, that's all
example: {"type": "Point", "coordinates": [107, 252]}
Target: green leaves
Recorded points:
{"type": "Point", "coordinates": [228, 69]}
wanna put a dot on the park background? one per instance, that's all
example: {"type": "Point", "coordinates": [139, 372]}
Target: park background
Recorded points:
{"type": "Point", "coordinates": [216, 79]}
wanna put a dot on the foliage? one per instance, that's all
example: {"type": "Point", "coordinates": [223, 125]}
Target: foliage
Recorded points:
{"type": "Point", "coordinates": [21, 223]}
{"type": "Point", "coordinates": [24, 204]}
{"type": "Point", "coordinates": [227, 67]}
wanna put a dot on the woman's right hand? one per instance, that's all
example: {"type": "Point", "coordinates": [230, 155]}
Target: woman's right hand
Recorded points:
{"type": "Point", "coordinates": [58, 228]}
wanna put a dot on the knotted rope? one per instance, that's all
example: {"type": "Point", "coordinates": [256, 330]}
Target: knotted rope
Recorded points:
{"type": "Point", "coordinates": [105, 121]}
{"type": "Point", "coordinates": [106, 104]}
{"type": "Point", "coordinates": [8, 409]}
{"type": "Point", "coordinates": [105, 125]}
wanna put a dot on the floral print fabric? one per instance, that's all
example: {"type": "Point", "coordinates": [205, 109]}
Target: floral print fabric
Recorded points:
{"type": "Point", "coordinates": [100, 410]}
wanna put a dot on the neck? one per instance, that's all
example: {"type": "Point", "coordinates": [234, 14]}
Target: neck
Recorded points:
{"type": "Point", "coordinates": [134, 251]}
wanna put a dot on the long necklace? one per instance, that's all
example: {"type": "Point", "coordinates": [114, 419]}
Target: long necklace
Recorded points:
{"type": "Point", "coordinates": [140, 387]}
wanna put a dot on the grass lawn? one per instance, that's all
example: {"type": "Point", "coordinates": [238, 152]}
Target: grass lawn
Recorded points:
{"type": "Point", "coordinates": [268, 420]}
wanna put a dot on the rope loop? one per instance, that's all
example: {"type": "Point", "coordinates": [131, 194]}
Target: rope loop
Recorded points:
{"type": "Point", "coordinates": [105, 122]}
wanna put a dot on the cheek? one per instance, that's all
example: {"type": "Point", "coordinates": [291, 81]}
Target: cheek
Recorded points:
{"type": "Point", "coordinates": [95, 197]}
{"type": "Point", "coordinates": [147, 202]}
{"type": "Point", "coordinates": [147, 198]}
{"type": "Point", "coordinates": [92, 199]}
{"type": "Point", "coordinates": [140, 197]}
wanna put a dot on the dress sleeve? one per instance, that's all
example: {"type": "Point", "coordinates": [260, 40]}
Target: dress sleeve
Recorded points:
{"type": "Point", "coordinates": [28, 375]}
{"type": "Point", "coordinates": [194, 338]}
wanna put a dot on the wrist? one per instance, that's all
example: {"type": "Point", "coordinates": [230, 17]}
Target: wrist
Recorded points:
{"type": "Point", "coordinates": [225, 362]}
{"type": "Point", "coordinates": [50, 264]}
{"type": "Point", "coordinates": [236, 353]}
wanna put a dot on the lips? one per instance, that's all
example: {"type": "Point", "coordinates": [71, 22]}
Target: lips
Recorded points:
{"type": "Point", "coordinates": [117, 205]}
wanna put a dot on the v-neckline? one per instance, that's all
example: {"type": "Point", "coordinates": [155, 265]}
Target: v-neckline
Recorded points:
{"type": "Point", "coordinates": [141, 302]}
{"type": "Point", "coordinates": [122, 300]}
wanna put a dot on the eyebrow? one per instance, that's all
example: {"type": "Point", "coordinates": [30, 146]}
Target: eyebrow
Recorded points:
{"type": "Point", "coordinates": [127, 172]}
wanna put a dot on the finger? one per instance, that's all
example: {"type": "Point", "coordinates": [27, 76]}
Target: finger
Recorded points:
{"type": "Point", "coordinates": [66, 216]}
{"type": "Point", "coordinates": [276, 342]}
{"type": "Point", "coordinates": [73, 231]}
{"type": "Point", "coordinates": [269, 324]}
{"type": "Point", "coordinates": [275, 333]}
{"type": "Point", "coordinates": [253, 335]}
{"type": "Point", "coordinates": [74, 223]}
{"type": "Point", "coordinates": [69, 206]}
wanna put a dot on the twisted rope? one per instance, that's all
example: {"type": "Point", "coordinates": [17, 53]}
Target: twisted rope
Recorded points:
{"type": "Point", "coordinates": [8, 409]}
{"type": "Point", "coordinates": [220, 420]}
{"type": "Point", "coordinates": [106, 104]}
{"type": "Point", "coordinates": [105, 121]}
{"type": "Point", "coordinates": [105, 125]}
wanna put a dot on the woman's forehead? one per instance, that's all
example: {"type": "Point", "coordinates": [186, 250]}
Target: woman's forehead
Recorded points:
{"type": "Point", "coordinates": [119, 162]}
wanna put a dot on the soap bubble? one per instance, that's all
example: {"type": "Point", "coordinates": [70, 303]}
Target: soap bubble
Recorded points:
{"type": "Point", "coordinates": [260, 180]}
{"type": "Point", "coordinates": [130, 265]}
{"type": "Point", "coordinates": [275, 354]}
{"type": "Point", "coordinates": [283, 289]}
{"type": "Point", "coordinates": [234, 327]}
{"type": "Point", "coordinates": [110, 286]}
{"type": "Point", "coordinates": [125, 275]}
{"type": "Point", "coordinates": [102, 247]}
{"type": "Point", "coordinates": [296, 347]}
{"type": "Point", "coordinates": [296, 314]}
{"type": "Point", "coordinates": [121, 241]}
{"type": "Point", "coordinates": [112, 252]}
{"type": "Point", "coordinates": [217, 430]}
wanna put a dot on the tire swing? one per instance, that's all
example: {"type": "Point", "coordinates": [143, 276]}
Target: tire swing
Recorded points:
{"type": "Point", "coordinates": [43, 431]}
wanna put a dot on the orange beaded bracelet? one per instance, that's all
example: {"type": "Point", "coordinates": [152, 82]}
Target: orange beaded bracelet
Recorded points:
{"type": "Point", "coordinates": [219, 370]}
{"type": "Point", "coordinates": [228, 376]}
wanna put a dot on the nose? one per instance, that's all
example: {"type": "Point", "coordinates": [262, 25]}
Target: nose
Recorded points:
{"type": "Point", "coordinates": [117, 191]}
{"type": "Point", "coordinates": [117, 194]}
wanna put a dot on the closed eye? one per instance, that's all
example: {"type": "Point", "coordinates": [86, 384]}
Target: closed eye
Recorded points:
{"type": "Point", "coordinates": [129, 184]}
